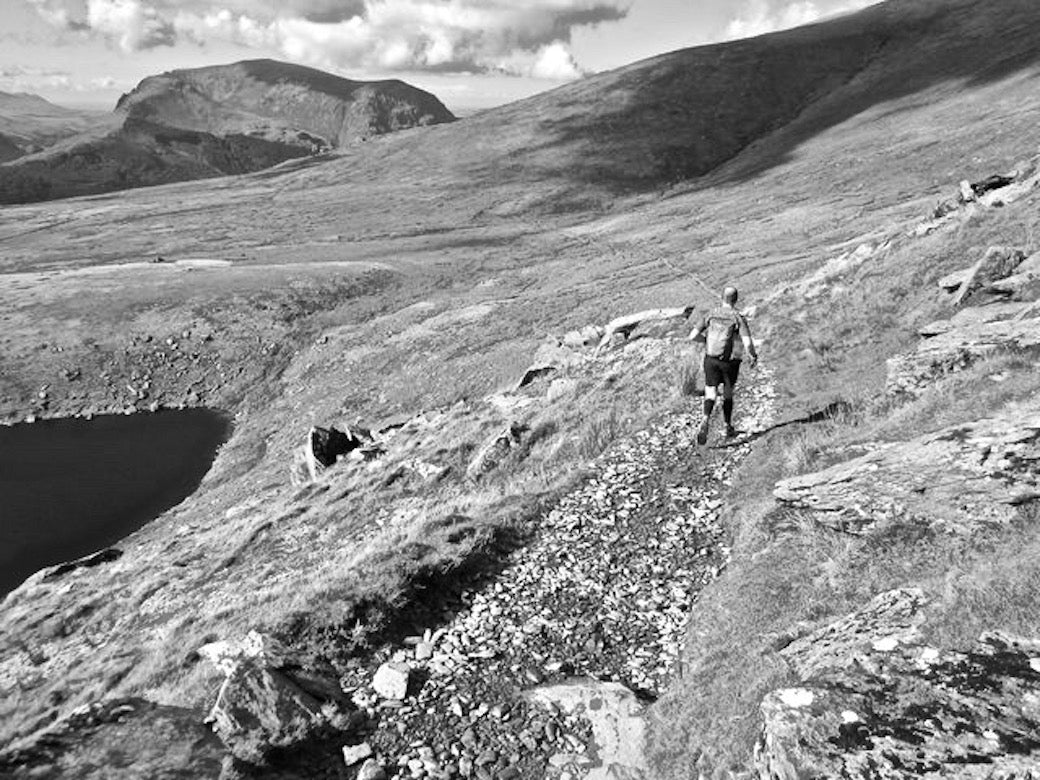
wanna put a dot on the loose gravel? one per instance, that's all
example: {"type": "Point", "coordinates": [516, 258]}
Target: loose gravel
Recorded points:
{"type": "Point", "coordinates": [603, 592]}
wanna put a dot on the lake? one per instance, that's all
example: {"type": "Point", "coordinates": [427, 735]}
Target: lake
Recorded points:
{"type": "Point", "coordinates": [72, 487]}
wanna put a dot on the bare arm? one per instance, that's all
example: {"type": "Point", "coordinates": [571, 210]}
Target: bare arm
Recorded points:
{"type": "Point", "coordinates": [697, 334]}
{"type": "Point", "coordinates": [749, 343]}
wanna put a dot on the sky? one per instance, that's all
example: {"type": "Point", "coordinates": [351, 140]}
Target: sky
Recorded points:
{"type": "Point", "coordinates": [472, 54]}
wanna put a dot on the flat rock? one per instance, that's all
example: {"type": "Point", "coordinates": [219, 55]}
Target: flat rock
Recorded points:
{"type": "Point", "coordinates": [618, 724]}
{"type": "Point", "coordinates": [956, 349]}
{"type": "Point", "coordinates": [962, 477]}
{"type": "Point", "coordinates": [973, 316]}
{"type": "Point", "coordinates": [906, 711]}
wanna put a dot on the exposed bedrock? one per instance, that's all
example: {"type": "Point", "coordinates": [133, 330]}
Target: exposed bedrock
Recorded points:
{"type": "Point", "coordinates": [961, 478]}
{"type": "Point", "coordinates": [874, 701]}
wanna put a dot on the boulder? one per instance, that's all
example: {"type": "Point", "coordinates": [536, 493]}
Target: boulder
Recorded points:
{"type": "Point", "coordinates": [268, 699]}
{"type": "Point", "coordinates": [494, 451]}
{"type": "Point", "coordinates": [909, 710]}
{"type": "Point", "coordinates": [620, 329]}
{"type": "Point", "coordinates": [912, 373]}
{"type": "Point", "coordinates": [588, 336]}
{"type": "Point", "coordinates": [259, 709]}
{"type": "Point", "coordinates": [990, 183]}
{"type": "Point", "coordinates": [961, 478]}
{"type": "Point", "coordinates": [998, 263]}
{"type": "Point", "coordinates": [325, 446]}
{"type": "Point", "coordinates": [534, 373]}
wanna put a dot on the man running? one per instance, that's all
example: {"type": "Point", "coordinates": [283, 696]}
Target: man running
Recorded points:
{"type": "Point", "coordinates": [726, 337]}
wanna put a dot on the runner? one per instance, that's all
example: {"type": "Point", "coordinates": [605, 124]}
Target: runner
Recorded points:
{"type": "Point", "coordinates": [726, 337]}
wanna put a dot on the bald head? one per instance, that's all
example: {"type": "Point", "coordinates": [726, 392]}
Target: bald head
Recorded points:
{"type": "Point", "coordinates": [729, 296]}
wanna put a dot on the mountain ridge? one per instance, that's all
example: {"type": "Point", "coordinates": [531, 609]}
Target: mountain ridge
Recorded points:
{"type": "Point", "coordinates": [225, 119]}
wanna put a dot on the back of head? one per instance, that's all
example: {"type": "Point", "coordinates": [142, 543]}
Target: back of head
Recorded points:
{"type": "Point", "coordinates": [729, 296]}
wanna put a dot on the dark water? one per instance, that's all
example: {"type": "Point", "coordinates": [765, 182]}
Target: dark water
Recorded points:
{"type": "Point", "coordinates": [72, 487]}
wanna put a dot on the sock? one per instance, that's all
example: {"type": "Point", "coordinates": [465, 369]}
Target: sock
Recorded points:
{"type": "Point", "coordinates": [709, 406]}
{"type": "Point", "coordinates": [727, 410]}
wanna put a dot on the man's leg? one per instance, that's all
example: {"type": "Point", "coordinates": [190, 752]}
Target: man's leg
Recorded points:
{"type": "Point", "coordinates": [728, 390]}
{"type": "Point", "coordinates": [712, 379]}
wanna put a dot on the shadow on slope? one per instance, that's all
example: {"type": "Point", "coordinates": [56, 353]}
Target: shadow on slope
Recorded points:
{"type": "Point", "coordinates": [682, 115]}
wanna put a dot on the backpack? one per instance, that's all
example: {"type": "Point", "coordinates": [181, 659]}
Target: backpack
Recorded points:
{"type": "Point", "coordinates": [723, 328]}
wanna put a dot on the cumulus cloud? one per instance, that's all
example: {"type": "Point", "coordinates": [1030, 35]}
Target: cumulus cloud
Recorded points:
{"type": "Point", "coordinates": [525, 37]}
{"type": "Point", "coordinates": [758, 17]}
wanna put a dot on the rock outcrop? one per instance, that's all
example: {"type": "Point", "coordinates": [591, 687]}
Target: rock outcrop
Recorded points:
{"type": "Point", "coordinates": [1008, 283]}
{"type": "Point", "coordinates": [957, 348]}
{"type": "Point", "coordinates": [960, 478]}
{"type": "Point", "coordinates": [878, 702]}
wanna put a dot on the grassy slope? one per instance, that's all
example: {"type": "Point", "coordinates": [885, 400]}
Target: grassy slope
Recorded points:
{"type": "Point", "coordinates": [478, 233]}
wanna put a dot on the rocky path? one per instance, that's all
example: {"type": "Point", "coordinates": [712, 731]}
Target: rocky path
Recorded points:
{"type": "Point", "coordinates": [603, 592]}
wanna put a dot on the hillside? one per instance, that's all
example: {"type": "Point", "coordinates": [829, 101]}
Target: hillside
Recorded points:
{"type": "Point", "coordinates": [8, 149]}
{"type": "Point", "coordinates": [31, 123]}
{"type": "Point", "coordinates": [205, 122]}
{"type": "Point", "coordinates": [524, 501]}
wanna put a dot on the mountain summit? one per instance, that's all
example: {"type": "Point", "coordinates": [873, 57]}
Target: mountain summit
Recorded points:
{"type": "Point", "coordinates": [227, 119]}
{"type": "Point", "coordinates": [280, 102]}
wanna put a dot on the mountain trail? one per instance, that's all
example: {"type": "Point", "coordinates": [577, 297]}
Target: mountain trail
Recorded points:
{"type": "Point", "coordinates": [544, 670]}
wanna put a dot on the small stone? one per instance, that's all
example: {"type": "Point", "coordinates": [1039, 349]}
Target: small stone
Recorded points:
{"type": "Point", "coordinates": [486, 757]}
{"type": "Point", "coordinates": [391, 681]}
{"type": "Point", "coordinates": [353, 754]}
{"type": "Point", "coordinates": [423, 651]}
{"type": "Point", "coordinates": [509, 773]}
{"type": "Point", "coordinates": [371, 770]}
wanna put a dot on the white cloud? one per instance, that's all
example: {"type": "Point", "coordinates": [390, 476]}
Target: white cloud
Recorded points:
{"type": "Point", "coordinates": [758, 17]}
{"type": "Point", "coordinates": [524, 37]}
{"type": "Point", "coordinates": [129, 23]}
